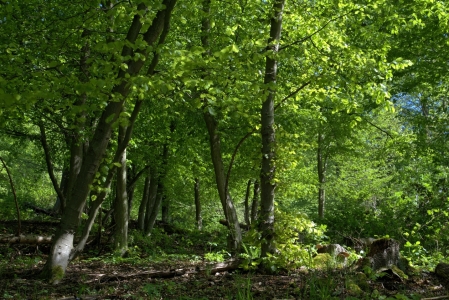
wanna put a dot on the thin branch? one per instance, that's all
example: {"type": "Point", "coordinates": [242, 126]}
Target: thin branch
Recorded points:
{"type": "Point", "coordinates": [379, 128]}
{"type": "Point", "coordinates": [291, 94]}
{"type": "Point", "coordinates": [135, 178]}
{"type": "Point", "coordinates": [50, 169]}
{"type": "Point", "coordinates": [316, 31]}
{"type": "Point", "coordinates": [234, 154]}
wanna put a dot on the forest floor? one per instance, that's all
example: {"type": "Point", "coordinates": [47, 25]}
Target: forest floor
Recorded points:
{"type": "Point", "coordinates": [98, 275]}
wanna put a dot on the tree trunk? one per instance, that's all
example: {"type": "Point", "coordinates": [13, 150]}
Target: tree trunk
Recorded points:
{"type": "Point", "coordinates": [220, 178]}
{"type": "Point", "coordinates": [215, 148]}
{"type": "Point", "coordinates": [144, 202]}
{"type": "Point", "coordinates": [199, 219]}
{"type": "Point", "coordinates": [321, 165]}
{"type": "Point", "coordinates": [152, 215]}
{"type": "Point", "coordinates": [57, 207]}
{"type": "Point", "coordinates": [247, 211]}
{"type": "Point", "coordinates": [152, 199]}
{"type": "Point", "coordinates": [267, 176]}
{"type": "Point", "coordinates": [62, 246]}
{"type": "Point", "coordinates": [156, 192]}
{"type": "Point", "coordinates": [255, 202]}
{"type": "Point", "coordinates": [120, 245]}
{"type": "Point", "coordinates": [165, 209]}
{"type": "Point", "coordinates": [131, 176]}
{"type": "Point", "coordinates": [131, 187]}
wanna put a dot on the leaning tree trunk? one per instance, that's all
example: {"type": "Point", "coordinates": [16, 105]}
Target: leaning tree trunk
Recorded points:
{"type": "Point", "coordinates": [215, 148]}
{"type": "Point", "coordinates": [62, 246]}
{"type": "Point", "coordinates": [267, 176]}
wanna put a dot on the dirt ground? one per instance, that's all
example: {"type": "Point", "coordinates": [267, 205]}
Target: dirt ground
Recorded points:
{"type": "Point", "coordinates": [91, 277]}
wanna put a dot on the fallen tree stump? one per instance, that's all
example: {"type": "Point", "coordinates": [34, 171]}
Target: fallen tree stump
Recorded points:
{"type": "Point", "coordinates": [383, 253]}
{"type": "Point", "coordinates": [25, 239]}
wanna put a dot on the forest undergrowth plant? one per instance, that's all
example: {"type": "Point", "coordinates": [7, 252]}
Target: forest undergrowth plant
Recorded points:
{"type": "Point", "coordinates": [242, 289]}
{"type": "Point", "coordinates": [319, 286]}
{"type": "Point", "coordinates": [295, 235]}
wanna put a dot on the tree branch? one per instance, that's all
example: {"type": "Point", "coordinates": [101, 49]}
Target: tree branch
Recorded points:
{"type": "Point", "coordinates": [49, 163]}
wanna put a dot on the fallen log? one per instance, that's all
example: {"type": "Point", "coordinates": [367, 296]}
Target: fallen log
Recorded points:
{"type": "Point", "coordinates": [225, 223]}
{"type": "Point", "coordinates": [229, 265]}
{"type": "Point", "coordinates": [25, 239]}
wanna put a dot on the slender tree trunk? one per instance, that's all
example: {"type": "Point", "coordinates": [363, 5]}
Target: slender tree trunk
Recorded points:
{"type": "Point", "coordinates": [267, 176]}
{"type": "Point", "coordinates": [156, 203]}
{"type": "Point", "coordinates": [121, 203]}
{"type": "Point", "coordinates": [130, 173]}
{"type": "Point", "coordinates": [220, 178]}
{"type": "Point", "coordinates": [235, 241]}
{"type": "Point", "coordinates": [144, 202]}
{"type": "Point", "coordinates": [321, 166]}
{"type": "Point", "coordinates": [62, 246]}
{"type": "Point", "coordinates": [247, 209]}
{"type": "Point", "coordinates": [255, 203]}
{"type": "Point", "coordinates": [165, 209]}
{"type": "Point", "coordinates": [199, 219]}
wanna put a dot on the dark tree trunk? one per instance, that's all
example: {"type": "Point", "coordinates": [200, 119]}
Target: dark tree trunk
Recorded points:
{"type": "Point", "coordinates": [131, 176]}
{"type": "Point", "coordinates": [199, 219]}
{"type": "Point", "coordinates": [255, 203]}
{"type": "Point", "coordinates": [321, 166]}
{"type": "Point", "coordinates": [165, 209]}
{"type": "Point", "coordinates": [62, 246]}
{"type": "Point", "coordinates": [152, 197]}
{"type": "Point", "coordinates": [267, 176]}
{"type": "Point", "coordinates": [144, 202]}
{"type": "Point", "coordinates": [247, 209]}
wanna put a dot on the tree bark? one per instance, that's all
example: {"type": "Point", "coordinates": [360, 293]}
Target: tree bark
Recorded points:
{"type": "Point", "coordinates": [267, 176]}
{"type": "Point", "coordinates": [62, 246]}
{"type": "Point", "coordinates": [199, 219]}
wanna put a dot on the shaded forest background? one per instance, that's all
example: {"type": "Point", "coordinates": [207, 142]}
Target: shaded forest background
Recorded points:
{"type": "Point", "coordinates": [117, 117]}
